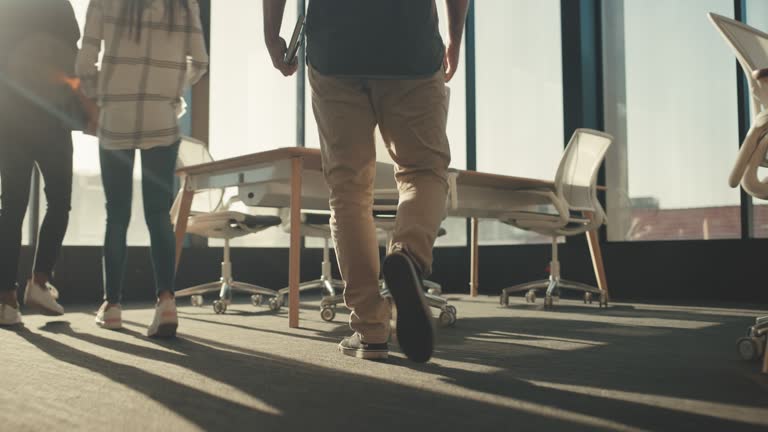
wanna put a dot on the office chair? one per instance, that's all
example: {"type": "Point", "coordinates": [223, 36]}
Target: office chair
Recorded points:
{"type": "Point", "coordinates": [577, 210]}
{"type": "Point", "coordinates": [210, 217]}
{"type": "Point", "coordinates": [312, 225]}
{"type": "Point", "coordinates": [750, 46]}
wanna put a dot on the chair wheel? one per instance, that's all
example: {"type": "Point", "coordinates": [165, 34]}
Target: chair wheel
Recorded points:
{"type": "Point", "coordinates": [275, 304]}
{"type": "Point", "coordinates": [196, 300]}
{"type": "Point", "coordinates": [328, 314]}
{"type": "Point", "coordinates": [257, 300]}
{"type": "Point", "coordinates": [504, 299]}
{"type": "Point", "coordinates": [588, 298]}
{"type": "Point", "coordinates": [219, 307]}
{"type": "Point", "coordinates": [530, 296]}
{"type": "Point", "coordinates": [748, 349]}
{"type": "Point", "coordinates": [451, 309]}
{"type": "Point", "coordinates": [603, 300]}
{"type": "Point", "coordinates": [447, 319]}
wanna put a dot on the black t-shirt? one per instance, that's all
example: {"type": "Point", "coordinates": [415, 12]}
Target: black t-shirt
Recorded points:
{"type": "Point", "coordinates": [374, 38]}
{"type": "Point", "coordinates": [38, 40]}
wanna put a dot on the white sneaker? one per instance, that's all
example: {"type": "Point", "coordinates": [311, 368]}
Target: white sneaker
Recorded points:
{"type": "Point", "coordinates": [9, 315]}
{"type": "Point", "coordinates": [166, 320]}
{"type": "Point", "coordinates": [111, 318]}
{"type": "Point", "coordinates": [43, 298]}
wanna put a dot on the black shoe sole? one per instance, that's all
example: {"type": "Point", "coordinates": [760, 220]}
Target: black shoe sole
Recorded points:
{"type": "Point", "coordinates": [365, 354]}
{"type": "Point", "coordinates": [414, 323]}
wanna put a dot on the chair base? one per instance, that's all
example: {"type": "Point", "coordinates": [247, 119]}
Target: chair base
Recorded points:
{"type": "Point", "coordinates": [752, 346]}
{"type": "Point", "coordinates": [330, 286]}
{"type": "Point", "coordinates": [447, 316]}
{"type": "Point", "coordinates": [225, 289]}
{"type": "Point", "coordinates": [553, 287]}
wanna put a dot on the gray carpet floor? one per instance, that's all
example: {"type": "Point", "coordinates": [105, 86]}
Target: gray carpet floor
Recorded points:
{"type": "Point", "coordinates": [631, 367]}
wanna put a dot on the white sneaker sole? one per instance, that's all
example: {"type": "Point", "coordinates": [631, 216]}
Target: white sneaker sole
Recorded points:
{"type": "Point", "coordinates": [42, 309]}
{"type": "Point", "coordinates": [110, 324]}
{"type": "Point", "coordinates": [12, 324]}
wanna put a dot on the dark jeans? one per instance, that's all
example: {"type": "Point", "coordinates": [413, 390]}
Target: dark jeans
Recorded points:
{"type": "Point", "coordinates": [51, 149]}
{"type": "Point", "coordinates": [157, 175]}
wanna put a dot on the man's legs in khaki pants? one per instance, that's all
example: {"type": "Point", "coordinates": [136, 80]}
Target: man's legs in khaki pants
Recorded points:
{"type": "Point", "coordinates": [412, 116]}
{"type": "Point", "coordinates": [346, 123]}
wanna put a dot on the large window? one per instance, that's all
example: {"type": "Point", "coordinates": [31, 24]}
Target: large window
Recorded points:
{"type": "Point", "coordinates": [670, 102]}
{"type": "Point", "coordinates": [253, 107]}
{"type": "Point", "coordinates": [519, 97]}
{"type": "Point", "coordinates": [757, 16]}
{"type": "Point", "coordinates": [456, 130]}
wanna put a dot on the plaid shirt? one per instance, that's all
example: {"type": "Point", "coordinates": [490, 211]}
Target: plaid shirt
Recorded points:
{"type": "Point", "coordinates": [139, 84]}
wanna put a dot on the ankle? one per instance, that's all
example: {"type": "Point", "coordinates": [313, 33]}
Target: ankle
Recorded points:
{"type": "Point", "coordinates": [165, 295]}
{"type": "Point", "coordinates": [108, 305]}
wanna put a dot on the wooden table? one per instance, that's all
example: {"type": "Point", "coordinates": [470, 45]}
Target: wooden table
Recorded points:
{"type": "Point", "coordinates": [292, 177]}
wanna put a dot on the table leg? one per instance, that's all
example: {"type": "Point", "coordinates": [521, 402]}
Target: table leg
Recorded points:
{"type": "Point", "coordinates": [475, 260]}
{"type": "Point", "coordinates": [765, 361]}
{"type": "Point", "coordinates": [597, 260]}
{"type": "Point", "coordinates": [180, 224]}
{"type": "Point", "coordinates": [295, 246]}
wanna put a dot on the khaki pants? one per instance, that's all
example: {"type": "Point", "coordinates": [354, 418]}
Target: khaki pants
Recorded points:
{"type": "Point", "coordinates": [412, 116]}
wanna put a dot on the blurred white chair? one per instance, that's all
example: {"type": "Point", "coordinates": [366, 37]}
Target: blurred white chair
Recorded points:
{"type": "Point", "coordinates": [315, 225]}
{"type": "Point", "coordinates": [750, 46]}
{"type": "Point", "coordinates": [577, 210]}
{"type": "Point", "coordinates": [210, 217]}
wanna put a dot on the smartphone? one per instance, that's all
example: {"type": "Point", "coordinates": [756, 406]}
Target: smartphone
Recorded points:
{"type": "Point", "coordinates": [296, 39]}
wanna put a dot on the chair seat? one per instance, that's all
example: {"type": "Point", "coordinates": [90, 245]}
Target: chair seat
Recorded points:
{"type": "Point", "coordinates": [543, 222]}
{"type": "Point", "coordinates": [229, 224]}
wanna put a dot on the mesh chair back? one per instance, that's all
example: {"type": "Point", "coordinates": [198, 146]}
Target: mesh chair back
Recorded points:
{"type": "Point", "coordinates": [576, 179]}
{"type": "Point", "coordinates": [195, 152]}
{"type": "Point", "coordinates": [751, 48]}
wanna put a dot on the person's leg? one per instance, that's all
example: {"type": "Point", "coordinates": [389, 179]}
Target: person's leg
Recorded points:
{"type": "Point", "coordinates": [15, 177]}
{"type": "Point", "coordinates": [157, 174]}
{"type": "Point", "coordinates": [117, 179]}
{"type": "Point", "coordinates": [346, 124]}
{"type": "Point", "coordinates": [55, 163]}
{"type": "Point", "coordinates": [412, 117]}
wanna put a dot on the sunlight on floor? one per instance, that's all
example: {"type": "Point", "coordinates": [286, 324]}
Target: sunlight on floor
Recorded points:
{"type": "Point", "coordinates": [536, 341]}
{"type": "Point", "coordinates": [732, 412]}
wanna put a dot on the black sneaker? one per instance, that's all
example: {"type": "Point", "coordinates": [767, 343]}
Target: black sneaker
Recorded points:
{"type": "Point", "coordinates": [414, 319]}
{"type": "Point", "coordinates": [354, 347]}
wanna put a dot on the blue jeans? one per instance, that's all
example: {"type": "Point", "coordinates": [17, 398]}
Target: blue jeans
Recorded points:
{"type": "Point", "coordinates": [157, 183]}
